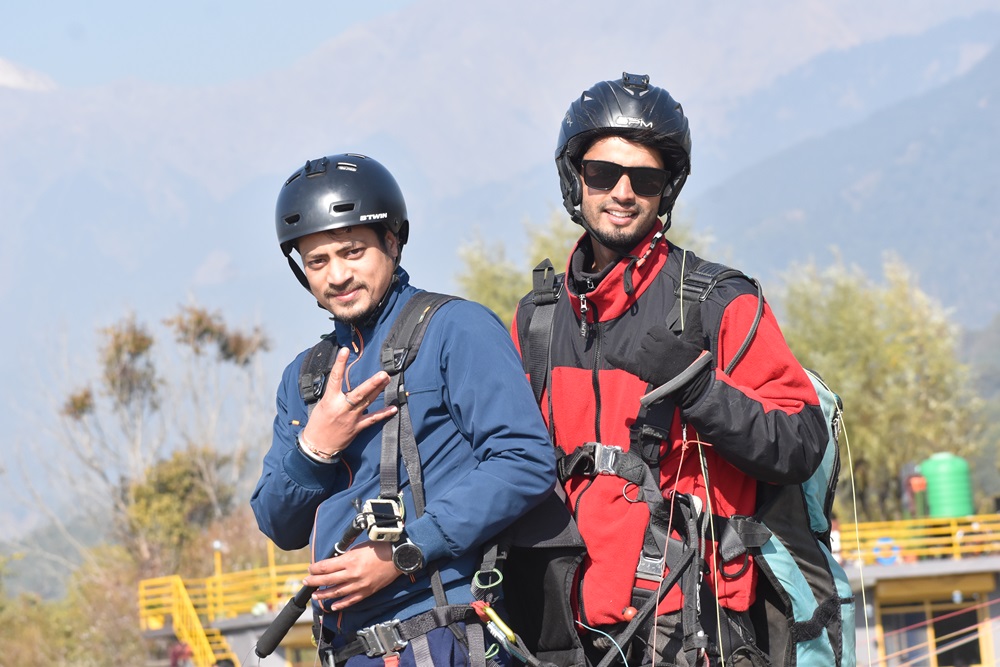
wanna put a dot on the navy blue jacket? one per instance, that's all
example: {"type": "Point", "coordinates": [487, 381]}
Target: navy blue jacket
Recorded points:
{"type": "Point", "coordinates": [484, 448]}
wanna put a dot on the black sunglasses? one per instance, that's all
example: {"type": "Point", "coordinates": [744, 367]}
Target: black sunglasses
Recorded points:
{"type": "Point", "coordinates": [646, 181]}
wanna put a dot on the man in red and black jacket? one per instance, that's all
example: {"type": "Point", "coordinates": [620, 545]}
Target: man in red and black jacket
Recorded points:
{"type": "Point", "coordinates": [618, 333]}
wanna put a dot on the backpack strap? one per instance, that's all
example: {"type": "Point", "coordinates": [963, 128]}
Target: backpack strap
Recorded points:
{"type": "Point", "coordinates": [546, 286]}
{"type": "Point", "coordinates": [398, 352]}
{"type": "Point", "coordinates": [694, 288]}
{"type": "Point", "coordinates": [315, 370]}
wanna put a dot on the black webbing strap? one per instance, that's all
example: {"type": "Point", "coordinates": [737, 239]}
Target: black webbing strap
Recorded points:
{"type": "Point", "coordinates": [487, 579]}
{"type": "Point", "coordinates": [695, 287]}
{"type": "Point", "coordinates": [683, 516]}
{"type": "Point", "coordinates": [315, 370]}
{"type": "Point", "coordinates": [376, 640]}
{"type": "Point", "coordinates": [592, 459]}
{"type": "Point", "coordinates": [651, 428]}
{"type": "Point", "coordinates": [398, 352]}
{"type": "Point", "coordinates": [546, 286]}
{"type": "Point", "coordinates": [695, 639]}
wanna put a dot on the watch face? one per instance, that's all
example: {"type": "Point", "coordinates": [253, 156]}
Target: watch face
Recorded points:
{"type": "Point", "coordinates": [407, 557]}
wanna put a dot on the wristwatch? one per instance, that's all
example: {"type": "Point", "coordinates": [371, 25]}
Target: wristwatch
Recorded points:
{"type": "Point", "coordinates": [407, 557]}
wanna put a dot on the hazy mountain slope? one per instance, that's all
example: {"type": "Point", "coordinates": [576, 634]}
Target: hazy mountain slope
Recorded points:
{"type": "Point", "coordinates": [137, 197]}
{"type": "Point", "coordinates": [840, 88]}
{"type": "Point", "coordinates": [918, 178]}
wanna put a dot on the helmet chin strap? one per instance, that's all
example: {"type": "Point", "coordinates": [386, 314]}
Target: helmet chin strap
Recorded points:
{"type": "Point", "coordinates": [381, 304]}
{"type": "Point", "coordinates": [297, 270]}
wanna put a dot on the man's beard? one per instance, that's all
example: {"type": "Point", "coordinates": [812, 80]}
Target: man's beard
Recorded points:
{"type": "Point", "coordinates": [362, 317]}
{"type": "Point", "coordinates": [620, 241]}
{"type": "Point", "coordinates": [350, 314]}
{"type": "Point", "coordinates": [357, 319]}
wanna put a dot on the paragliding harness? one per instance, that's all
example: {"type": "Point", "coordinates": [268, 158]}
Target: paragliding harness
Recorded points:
{"type": "Point", "coordinates": [398, 442]}
{"type": "Point", "coordinates": [804, 612]}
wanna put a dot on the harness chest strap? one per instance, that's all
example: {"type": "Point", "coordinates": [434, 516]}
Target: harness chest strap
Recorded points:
{"type": "Point", "coordinates": [735, 535]}
{"type": "Point", "coordinates": [594, 458]}
{"type": "Point", "coordinates": [394, 636]}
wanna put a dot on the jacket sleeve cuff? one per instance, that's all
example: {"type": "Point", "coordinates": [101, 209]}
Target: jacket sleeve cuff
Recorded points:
{"type": "Point", "coordinates": [425, 533]}
{"type": "Point", "coordinates": [308, 473]}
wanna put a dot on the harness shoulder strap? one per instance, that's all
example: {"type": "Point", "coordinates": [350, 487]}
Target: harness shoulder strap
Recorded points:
{"type": "Point", "coordinates": [315, 369]}
{"type": "Point", "coordinates": [407, 333]}
{"type": "Point", "coordinates": [398, 352]}
{"type": "Point", "coordinates": [546, 286]}
{"type": "Point", "coordinates": [694, 288]}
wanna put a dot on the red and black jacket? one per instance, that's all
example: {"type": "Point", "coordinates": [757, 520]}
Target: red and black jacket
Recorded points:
{"type": "Point", "coordinates": [761, 423]}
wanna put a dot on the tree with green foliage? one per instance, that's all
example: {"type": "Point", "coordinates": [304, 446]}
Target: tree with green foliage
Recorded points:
{"type": "Point", "coordinates": [890, 352]}
{"type": "Point", "coordinates": [153, 436]}
{"type": "Point", "coordinates": [176, 502]}
{"type": "Point", "coordinates": [981, 350]}
{"type": "Point", "coordinates": [148, 457]}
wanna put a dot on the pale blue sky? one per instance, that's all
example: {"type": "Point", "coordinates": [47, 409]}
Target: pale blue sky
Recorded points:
{"type": "Point", "coordinates": [184, 42]}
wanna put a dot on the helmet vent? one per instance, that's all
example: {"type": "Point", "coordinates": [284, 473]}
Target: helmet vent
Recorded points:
{"type": "Point", "coordinates": [347, 166]}
{"type": "Point", "coordinates": [291, 219]}
{"type": "Point", "coordinates": [342, 208]}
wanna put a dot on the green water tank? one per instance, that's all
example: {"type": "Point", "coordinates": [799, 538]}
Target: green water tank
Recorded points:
{"type": "Point", "coordinates": [949, 485]}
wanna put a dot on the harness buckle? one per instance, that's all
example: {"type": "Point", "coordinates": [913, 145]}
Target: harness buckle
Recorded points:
{"type": "Point", "coordinates": [382, 638]}
{"type": "Point", "coordinates": [605, 458]}
{"type": "Point", "coordinates": [651, 569]}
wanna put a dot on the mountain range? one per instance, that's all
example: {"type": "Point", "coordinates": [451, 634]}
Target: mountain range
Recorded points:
{"type": "Point", "coordinates": [868, 127]}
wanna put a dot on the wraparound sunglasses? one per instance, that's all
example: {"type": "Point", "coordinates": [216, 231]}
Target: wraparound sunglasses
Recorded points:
{"type": "Point", "coordinates": [646, 181]}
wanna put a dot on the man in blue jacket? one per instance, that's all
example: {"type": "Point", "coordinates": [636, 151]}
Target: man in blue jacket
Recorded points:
{"type": "Point", "coordinates": [484, 450]}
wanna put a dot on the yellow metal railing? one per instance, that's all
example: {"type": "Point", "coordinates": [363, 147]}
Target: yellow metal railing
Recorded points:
{"type": "Point", "coordinates": [166, 598]}
{"type": "Point", "coordinates": [891, 542]}
{"type": "Point", "coordinates": [227, 595]}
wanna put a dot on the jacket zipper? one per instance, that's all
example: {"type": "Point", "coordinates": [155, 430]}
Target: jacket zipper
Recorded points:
{"type": "Point", "coordinates": [596, 379]}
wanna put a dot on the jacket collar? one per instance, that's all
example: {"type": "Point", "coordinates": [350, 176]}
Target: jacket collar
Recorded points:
{"type": "Point", "coordinates": [604, 291]}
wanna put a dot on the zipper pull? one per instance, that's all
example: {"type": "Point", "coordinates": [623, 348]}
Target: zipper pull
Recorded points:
{"type": "Point", "coordinates": [583, 316]}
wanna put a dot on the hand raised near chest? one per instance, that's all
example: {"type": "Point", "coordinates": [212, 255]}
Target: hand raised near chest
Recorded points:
{"type": "Point", "coordinates": [339, 416]}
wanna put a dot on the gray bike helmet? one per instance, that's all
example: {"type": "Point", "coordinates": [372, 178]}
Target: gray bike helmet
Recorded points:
{"type": "Point", "coordinates": [338, 191]}
{"type": "Point", "coordinates": [633, 109]}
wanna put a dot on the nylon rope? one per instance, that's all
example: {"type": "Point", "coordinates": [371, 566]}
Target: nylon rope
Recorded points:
{"type": "Point", "coordinates": [708, 495]}
{"type": "Point", "coordinates": [670, 523]}
{"type": "Point", "coordinates": [716, 558]}
{"type": "Point", "coordinates": [938, 650]}
{"type": "Point", "coordinates": [857, 538]}
{"type": "Point", "coordinates": [950, 614]}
